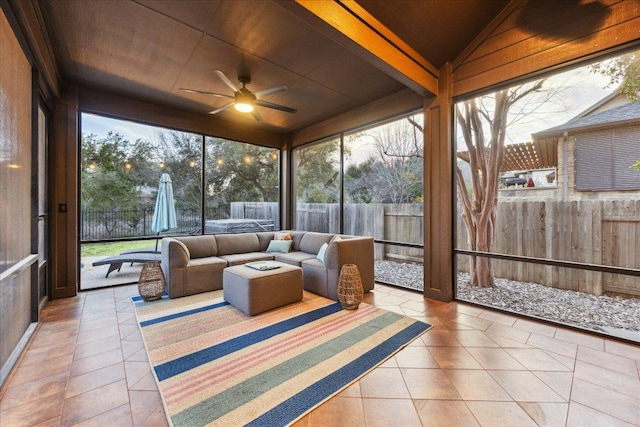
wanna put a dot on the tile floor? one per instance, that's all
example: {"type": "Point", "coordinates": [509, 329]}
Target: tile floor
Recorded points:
{"type": "Point", "coordinates": [86, 366]}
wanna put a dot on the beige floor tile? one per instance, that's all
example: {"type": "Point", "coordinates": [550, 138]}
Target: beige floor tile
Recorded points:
{"type": "Point", "coordinates": [546, 414]}
{"type": "Point", "coordinates": [497, 317]}
{"type": "Point", "coordinates": [580, 338]}
{"type": "Point", "coordinates": [445, 413]}
{"type": "Point", "coordinates": [339, 411]}
{"type": "Point", "coordinates": [390, 412]}
{"type": "Point", "coordinates": [581, 416]}
{"type": "Point", "coordinates": [612, 380]}
{"type": "Point", "coordinates": [95, 379]}
{"type": "Point", "coordinates": [503, 414]}
{"type": "Point", "coordinates": [474, 339]}
{"type": "Point", "coordinates": [429, 384]}
{"type": "Point", "coordinates": [607, 360]}
{"type": "Point", "coordinates": [477, 385]}
{"type": "Point", "coordinates": [454, 358]}
{"type": "Point", "coordinates": [553, 345]}
{"type": "Point", "coordinates": [535, 327]}
{"type": "Point", "coordinates": [609, 402]}
{"type": "Point", "coordinates": [439, 337]}
{"type": "Point", "coordinates": [494, 358]}
{"type": "Point", "coordinates": [384, 383]}
{"type": "Point", "coordinates": [95, 402]}
{"type": "Point", "coordinates": [523, 386]}
{"type": "Point", "coordinates": [623, 349]}
{"type": "Point", "coordinates": [560, 382]}
{"type": "Point", "coordinates": [415, 357]}
{"type": "Point", "coordinates": [509, 332]}
{"type": "Point", "coordinates": [535, 359]}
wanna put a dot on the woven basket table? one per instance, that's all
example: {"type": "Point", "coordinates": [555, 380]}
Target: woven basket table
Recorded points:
{"type": "Point", "coordinates": [151, 285]}
{"type": "Point", "coordinates": [350, 287]}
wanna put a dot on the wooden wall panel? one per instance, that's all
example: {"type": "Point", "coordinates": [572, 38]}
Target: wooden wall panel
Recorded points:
{"type": "Point", "coordinates": [64, 224]}
{"type": "Point", "coordinates": [533, 37]}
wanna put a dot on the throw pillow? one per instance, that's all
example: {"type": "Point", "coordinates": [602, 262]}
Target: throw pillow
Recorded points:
{"type": "Point", "coordinates": [321, 252]}
{"type": "Point", "coordinates": [283, 246]}
{"type": "Point", "coordinates": [283, 235]}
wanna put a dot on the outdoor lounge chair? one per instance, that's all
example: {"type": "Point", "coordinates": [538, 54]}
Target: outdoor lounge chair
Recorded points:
{"type": "Point", "coordinates": [115, 262]}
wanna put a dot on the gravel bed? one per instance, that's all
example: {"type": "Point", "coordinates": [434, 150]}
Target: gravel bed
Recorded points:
{"type": "Point", "coordinates": [600, 313]}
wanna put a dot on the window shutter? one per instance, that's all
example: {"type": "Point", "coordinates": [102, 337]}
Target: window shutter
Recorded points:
{"type": "Point", "coordinates": [627, 152]}
{"type": "Point", "coordinates": [593, 161]}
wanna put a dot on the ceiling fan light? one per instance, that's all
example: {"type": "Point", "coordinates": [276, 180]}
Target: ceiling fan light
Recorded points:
{"type": "Point", "coordinates": [243, 107]}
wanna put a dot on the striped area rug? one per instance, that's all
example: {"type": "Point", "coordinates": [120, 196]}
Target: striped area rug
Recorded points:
{"type": "Point", "coordinates": [216, 366]}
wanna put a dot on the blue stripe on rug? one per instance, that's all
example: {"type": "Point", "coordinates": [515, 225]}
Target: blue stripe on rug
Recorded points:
{"type": "Point", "coordinates": [193, 360]}
{"type": "Point", "coordinates": [307, 399]}
{"type": "Point", "coordinates": [182, 314]}
{"type": "Point", "coordinates": [209, 410]}
{"type": "Point", "coordinates": [138, 298]}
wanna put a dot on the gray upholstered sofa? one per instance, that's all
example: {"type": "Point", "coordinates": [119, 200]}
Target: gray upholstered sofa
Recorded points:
{"type": "Point", "coordinates": [194, 264]}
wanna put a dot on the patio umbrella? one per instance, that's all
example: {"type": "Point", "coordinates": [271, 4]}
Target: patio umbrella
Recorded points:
{"type": "Point", "coordinates": [164, 214]}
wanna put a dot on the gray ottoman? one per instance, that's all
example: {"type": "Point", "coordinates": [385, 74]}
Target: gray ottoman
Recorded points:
{"type": "Point", "coordinates": [254, 291]}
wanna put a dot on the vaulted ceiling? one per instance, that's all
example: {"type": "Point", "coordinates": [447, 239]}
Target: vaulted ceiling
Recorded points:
{"type": "Point", "coordinates": [150, 49]}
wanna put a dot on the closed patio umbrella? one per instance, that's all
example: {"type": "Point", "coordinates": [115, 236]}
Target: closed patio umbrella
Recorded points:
{"type": "Point", "coordinates": [164, 214]}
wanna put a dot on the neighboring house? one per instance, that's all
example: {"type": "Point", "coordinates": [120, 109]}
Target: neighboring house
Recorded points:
{"type": "Point", "coordinates": [595, 150]}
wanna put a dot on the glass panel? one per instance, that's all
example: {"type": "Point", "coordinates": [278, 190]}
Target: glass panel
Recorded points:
{"type": "Point", "coordinates": [585, 303]}
{"type": "Point", "coordinates": [122, 163]}
{"type": "Point", "coordinates": [242, 187]}
{"type": "Point", "coordinates": [526, 156]}
{"type": "Point", "coordinates": [317, 186]}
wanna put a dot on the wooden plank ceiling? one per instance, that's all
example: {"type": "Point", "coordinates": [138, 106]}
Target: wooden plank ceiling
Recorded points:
{"type": "Point", "coordinates": [149, 49]}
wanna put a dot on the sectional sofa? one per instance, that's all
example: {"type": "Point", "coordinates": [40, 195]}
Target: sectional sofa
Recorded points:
{"type": "Point", "coordinates": [195, 264]}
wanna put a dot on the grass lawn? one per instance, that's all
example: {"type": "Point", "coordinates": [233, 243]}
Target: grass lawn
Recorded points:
{"type": "Point", "coordinates": [114, 248]}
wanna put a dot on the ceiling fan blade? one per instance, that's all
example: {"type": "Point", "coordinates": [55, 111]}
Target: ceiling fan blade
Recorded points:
{"type": "Point", "coordinates": [224, 107]}
{"type": "Point", "coordinates": [201, 92]}
{"type": "Point", "coordinates": [267, 104]}
{"type": "Point", "coordinates": [275, 89]}
{"type": "Point", "coordinates": [226, 80]}
{"type": "Point", "coordinates": [256, 115]}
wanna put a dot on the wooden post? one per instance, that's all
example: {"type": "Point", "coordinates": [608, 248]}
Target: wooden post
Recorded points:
{"type": "Point", "coordinates": [439, 191]}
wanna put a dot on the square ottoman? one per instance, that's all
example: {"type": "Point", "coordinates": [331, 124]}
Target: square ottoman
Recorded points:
{"type": "Point", "coordinates": [254, 291]}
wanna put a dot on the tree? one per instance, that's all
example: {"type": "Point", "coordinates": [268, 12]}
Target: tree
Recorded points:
{"type": "Point", "coordinates": [317, 177]}
{"type": "Point", "coordinates": [623, 72]}
{"type": "Point", "coordinates": [483, 124]}
{"type": "Point", "coordinates": [110, 171]}
{"type": "Point", "coordinates": [393, 173]}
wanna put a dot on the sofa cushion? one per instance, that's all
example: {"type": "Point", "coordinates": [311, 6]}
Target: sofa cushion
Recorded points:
{"type": "Point", "coordinates": [237, 243]}
{"type": "Point", "coordinates": [283, 235]}
{"type": "Point", "coordinates": [321, 252]}
{"type": "Point", "coordinates": [293, 258]}
{"type": "Point", "coordinates": [235, 259]}
{"type": "Point", "coordinates": [200, 246]}
{"type": "Point", "coordinates": [283, 246]}
{"type": "Point", "coordinates": [265, 237]}
{"type": "Point", "coordinates": [311, 242]}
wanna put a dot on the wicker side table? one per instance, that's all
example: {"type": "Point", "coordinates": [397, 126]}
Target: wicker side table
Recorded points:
{"type": "Point", "coordinates": [152, 283]}
{"type": "Point", "coordinates": [350, 290]}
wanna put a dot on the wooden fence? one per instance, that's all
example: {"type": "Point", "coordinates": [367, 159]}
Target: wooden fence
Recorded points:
{"type": "Point", "coordinates": [603, 232]}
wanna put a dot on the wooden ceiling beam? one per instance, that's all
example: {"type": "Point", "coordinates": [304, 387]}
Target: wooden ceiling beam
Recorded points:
{"type": "Point", "coordinates": [381, 47]}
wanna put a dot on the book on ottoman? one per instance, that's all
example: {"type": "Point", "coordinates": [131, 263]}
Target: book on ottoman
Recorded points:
{"type": "Point", "coordinates": [263, 265]}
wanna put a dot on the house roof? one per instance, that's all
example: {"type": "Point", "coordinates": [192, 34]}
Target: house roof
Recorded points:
{"type": "Point", "coordinates": [624, 114]}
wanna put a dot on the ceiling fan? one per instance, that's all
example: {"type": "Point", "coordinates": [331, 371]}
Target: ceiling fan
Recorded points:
{"type": "Point", "coordinates": [245, 100]}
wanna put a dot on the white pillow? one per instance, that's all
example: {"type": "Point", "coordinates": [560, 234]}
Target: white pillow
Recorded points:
{"type": "Point", "coordinates": [283, 246]}
{"type": "Point", "coordinates": [321, 252]}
